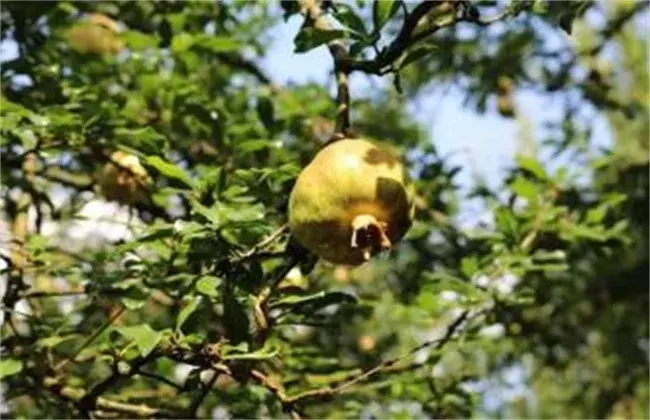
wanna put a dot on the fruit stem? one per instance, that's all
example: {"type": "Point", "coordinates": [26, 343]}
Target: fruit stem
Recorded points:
{"type": "Point", "coordinates": [369, 234]}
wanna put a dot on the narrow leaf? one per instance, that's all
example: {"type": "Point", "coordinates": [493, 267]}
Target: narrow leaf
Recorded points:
{"type": "Point", "coordinates": [189, 308]}
{"type": "Point", "coordinates": [208, 285]}
{"type": "Point", "coordinates": [310, 38]}
{"type": "Point", "coordinates": [315, 301]}
{"type": "Point", "coordinates": [532, 165]}
{"type": "Point", "coordinates": [143, 335]}
{"type": "Point", "coordinates": [346, 15]}
{"type": "Point", "coordinates": [169, 170]}
{"type": "Point", "coordinates": [382, 11]}
{"type": "Point", "coordinates": [10, 367]}
{"type": "Point", "coordinates": [416, 54]}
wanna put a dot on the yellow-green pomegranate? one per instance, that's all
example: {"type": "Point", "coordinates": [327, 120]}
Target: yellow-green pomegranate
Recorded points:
{"type": "Point", "coordinates": [124, 179]}
{"type": "Point", "coordinates": [96, 34]}
{"type": "Point", "coordinates": [351, 202]}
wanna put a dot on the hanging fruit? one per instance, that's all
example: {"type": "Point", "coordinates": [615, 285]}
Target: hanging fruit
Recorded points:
{"type": "Point", "coordinates": [351, 202]}
{"type": "Point", "coordinates": [124, 179]}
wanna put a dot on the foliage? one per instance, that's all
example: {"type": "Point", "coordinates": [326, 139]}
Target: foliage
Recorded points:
{"type": "Point", "coordinates": [207, 305]}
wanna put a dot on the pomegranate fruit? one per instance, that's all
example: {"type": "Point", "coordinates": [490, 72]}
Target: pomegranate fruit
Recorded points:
{"type": "Point", "coordinates": [96, 34]}
{"type": "Point", "coordinates": [351, 202]}
{"type": "Point", "coordinates": [124, 179]}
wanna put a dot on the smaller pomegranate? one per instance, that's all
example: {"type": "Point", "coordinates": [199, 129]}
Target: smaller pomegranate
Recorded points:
{"type": "Point", "coordinates": [351, 202]}
{"type": "Point", "coordinates": [124, 179]}
{"type": "Point", "coordinates": [366, 343]}
{"type": "Point", "coordinates": [96, 34]}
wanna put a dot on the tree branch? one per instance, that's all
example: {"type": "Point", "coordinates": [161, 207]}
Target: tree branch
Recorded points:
{"type": "Point", "coordinates": [58, 174]}
{"type": "Point", "coordinates": [314, 16]}
{"type": "Point", "coordinates": [408, 35]}
{"type": "Point", "coordinates": [237, 61]}
{"type": "Point", "coordinates": [329, 391]}
{"type": "Point", "coordinates": [205, 389]}
{"type": "Point", "coordinates": [263, 243]}
{"type": "Point", "coordinates": [90, 400]}
{"type": "Point", "coordinates": [75, 396]}
{"type": "Point", "coordinates": [90, 339]}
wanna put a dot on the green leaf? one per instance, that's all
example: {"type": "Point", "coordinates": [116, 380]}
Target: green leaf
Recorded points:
{"type": "Point", "coordinates": [346, 15]}
{"type": "Point", "coordinates": [596, 214]}
{"type": "Point", "coordinates": [416, 54]}
{"type": "Point", "coordinates": [138, 41]}
{"type": "Point", "coordinates": [169, 170]}
{"type": "Point", "coordinates": [438, 282]}
{"type": "Point", "coordinates": [52, 342]}
{"type": "Point", "coordinates": [543, 255]}
{"type": "Point", "coordinates": [525, 188]}
{"type": "Point", "coordinates": [10, 367]}
{"type": "Point", "coordinates": [239, 353]}
{"type": "Point", "coordinates": [235, 319]}
{"type": "Point", "coordinates": [563, 13]}
{"type": "Point", "coordinates": [310, 38]}
{"type": "Point", "coordinates": [134, 296]}
{"type": "Point", "coordinates": [266, 112]}
{"type": "Point", "coordinates": [595, 233]}
{"type": "Point", "coordinates": [246, 214]}
{"type": "Point", "coordinates": [145, 338]}
{"type": "Point", "coordinates": [506, 221]}
{"type": "Point", "coordinates": [146, 140]}
{"type": "Point", "coordinates": [208, 285]}
{"type": "Point", "coordinates": [212, 214]}
{"type": "Point", "coordinates": [187, 310]}
{"type": "Point", "coordinates": [218, 44]}
{"type": "Point", "coordinates": [469, 266]}
{"type": "Point", "coordinates": [419, 230]}
{"type": "Point", "coordinates": [221, 213]}
{"type": "Point", "coordinates": [382, 11]}
{"type": "Point", "coordinates": [290, 7]}
{"type": "Point", "coordinates": [532, 165]}
{"type": "Point", "coordinates": [315, 301]}
{"type": "Point", "coordinates": [182, 42]}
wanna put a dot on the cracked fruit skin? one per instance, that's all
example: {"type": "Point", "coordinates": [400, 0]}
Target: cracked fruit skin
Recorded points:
{"type": "Point", "coordinates": [351, 202]}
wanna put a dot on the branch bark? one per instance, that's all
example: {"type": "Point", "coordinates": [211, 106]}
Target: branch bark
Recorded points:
{"type": "Point", "coordinates": [329, 391]}
{"type": "Point", "coordinates": [75, 396]}
{"type": "Point", "coordinates": [314, 16]}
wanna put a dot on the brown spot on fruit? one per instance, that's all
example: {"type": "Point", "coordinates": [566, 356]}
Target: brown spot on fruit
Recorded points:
{"type": "Point", "coordinates": [377, 156]}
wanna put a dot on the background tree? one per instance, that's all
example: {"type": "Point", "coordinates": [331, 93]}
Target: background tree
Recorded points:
{"type": "Point", "coordinates": [206, 309]}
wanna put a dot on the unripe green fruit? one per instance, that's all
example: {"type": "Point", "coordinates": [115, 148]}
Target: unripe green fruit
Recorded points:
{"type": "Point", "coordinates": [350, 202]}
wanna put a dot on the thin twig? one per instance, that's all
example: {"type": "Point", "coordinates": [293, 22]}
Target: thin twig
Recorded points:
{"type": "Point", "coordinates": [329, 391]}
{"type": "Point", "coordinates": [157, 377]}
{"type": "Point", "coordinates": [263, 243]}
{"type": "Point", "coordinates": [90, 339]}
{"type": "Point", "coordinates": [90, 399]}
{"type": "Point", "coordinates": [48, 294]}
{"type": "Point", "coordinates": [314, 16]}
{"type": "Point", "coordinates": [194, 406]}
{"type": "Point", "coordinates": [75, 395]}
{"type": "Point", "coordinates": [407, 36]}
{"type": "Point", "coordinates": [277, 390]}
